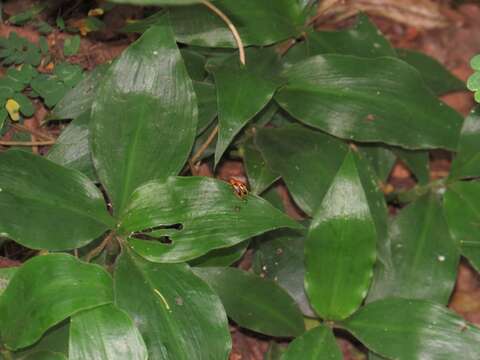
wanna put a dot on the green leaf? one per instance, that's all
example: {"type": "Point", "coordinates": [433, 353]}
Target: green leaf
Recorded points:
{"type": "Point", "coordinates": [79, 99]}
{"type": "Point", "coordinates": [260, 176]}
{"type": "Point", "coordinates": [371, 100]}
{"type": "Point", "coordinates": [179, 316]}
{"type": "Point", "coordinates": [195, 63]}
{"type": "Point", "coordinates": [46, 290]}
{"type": "Point", "coordinates": [50, 89]}
{"type": "Point", "coordinates": [265, 307]}
{"type": "Point", "coordinates": [242, 92]}
{"type": "Point", "coordinates": [259, 22]}
{"type": "Point", "coordinates": [274, 351]}
{"type": "Point", "coordinates": [318, 343]}
{"type": "Point", "coordinates": [435, 75]}
{"type": "Point", "coordinates": [467, 162]}
{"type": "Point", "coordinates": [144, 116]}
{"type": "Point", "coordinates": [462, 209]}
{"type": "Point", "coordinates": [54, 340]}
{"type": "Point", "coordinates": [46, 206]}
{"type": "Point", "coordinates": [71, 45]}
{"type": "Point", "coordinates": [381, 159]}
{"type": "Point", "coordinates": [207, 104]}
{"type": "Point", "coordinates": [105, 332]}
{"type": "Point", "coordinates": [69, 74]}
{"type": "Point", "coordinates": [23, 75]}
{"type": "Point", "coordinates": [417, 162]}
{"type": "Point", "coordinates": [414, 329]}
{"type": "Point", "coordinates": [420, 258]}
{"type": "Point", "coordinates": [26, 107]}
{"type": "Point", "coordinates": [222, 257]}
{"type": "Point", "coordinates": [363, 40]}
{"type": "Point", "coordinates": [279, 256]}
{"type": "Point", "coordinates": [186, 217]}
{"type": "Point", "coordinates": [307, 161]}
{"type": "Point", "coordinates": [72, 148]}
{"type": "Point", "coordinates": [25, 16]}
{"type": "Point", "coordinates": [340, 247]}
{"type": "Point", "coordinates": [6, 275]}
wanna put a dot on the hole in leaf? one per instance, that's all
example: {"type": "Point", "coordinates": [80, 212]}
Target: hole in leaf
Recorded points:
{"type": "Point", "coordinates": [151, 233]}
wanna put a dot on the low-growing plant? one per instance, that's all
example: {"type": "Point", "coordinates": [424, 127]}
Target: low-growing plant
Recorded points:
{"type": "Point", "coordinates": [136, 258]}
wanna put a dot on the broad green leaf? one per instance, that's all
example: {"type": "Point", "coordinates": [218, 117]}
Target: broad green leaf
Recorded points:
{"type": "Point", "coordinates": [259, 22]}
{"type": "Point", "coordinates": [79, 99]}
{"type": "Point", "coordinates": [414, 329]}
{"type": "Point", "coordinates": [222, 257]}
{"type": "Point", "coordinates": [195, 63]}
{"type": "Point", "coordinates": [46, 290]}
{"type": "Point", "coordinates": [417, 162]}
{"type": "Point", "coordinates": [54, 340]}
{"type": "Point", "coordinates": [144, 116]}
{"type": "Point", "coordinates": [368, 100]}
{"type": "Point", "coordinates": [242, 92]}
{"type": "Point", "coordinates": [420, 257]}
{"type": "Point", "coordinates": [260, 176]}
{"type": "Point", "coordinates": [381, 159]}
{"type": "Point", "coordinates": [279, 256]}
{"type": "Point", "coordinates": [363, 40]}
{"type": "Point", "coordinates": [207, 104]}
{"type": "Point", "coordinates": [26, 107]}
{"type": "Point", "coordinates": [307, 160]}
{"type": "Point", "coordinates": [105, 332]}
{"type": "Point", "coordinates": [435, 75]}
{"type": "Point", "coordinates": [178, 315]}
{"type": "Point", "coordinates": [467, 162]}
{"type": "Point", "coordinates": [46, 206]}
{"type": "Point", "coordinates": [72, 148]}
{"type": "Point", "coordinates": [186, 217]}
{"type": "Point", "coordinates": [254, 303]}
{"type": "Point", "coordinates": [49, 88]}
{"type": "Point", "coordinates": [6, 275]}
{"type": "Point", "coordinates": [462, 209]}
{"type": "Point", "coordinates": [318, 343]}
{"type": "Point", "coordinates": [340, 246]}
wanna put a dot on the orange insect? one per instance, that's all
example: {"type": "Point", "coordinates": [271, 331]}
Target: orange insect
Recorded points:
{"type": "Point", "coordinates": [239, 187]}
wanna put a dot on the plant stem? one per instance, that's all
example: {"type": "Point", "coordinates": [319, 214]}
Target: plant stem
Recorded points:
{"type": "Point", "coordinates": [204, 146]}
{"type": "Point", "coordinates": [26, 143]}
{"type": "Point", "coordinates": [230, 25]}
{"type": "Point", "coordinates": [100, 247]}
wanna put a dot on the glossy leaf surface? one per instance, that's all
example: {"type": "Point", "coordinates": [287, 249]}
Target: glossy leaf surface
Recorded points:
{"type": "Point", "coordinates": [381, 159]}
{"type": "Point", "coordinates": [46, 290]}
{"type": "Point", "coordinates": [242, 91]}
{"type": "Point", "coordinates": [462, 209]}
{"type": "Point", "coordinates": [340, 247]}
{"type": "Point", "coordinates": [197, 214]}
{"type": "Point", "coordinates": [435, 75]}
{"type": "Point", "coordinates": [222, 257]}
{"type": "Point", "coordinates": [317, 343]}
{"type": "Point", "coordinates": [420, 257]}
{"type": "Point", "coordinates": [105, 332]}
{"type": "Point", "coordinates": [144, 117]}
{"type": "Point", "coordinates": [6, 275]}
{"type": "Point", "coordinates": [178, 315]}
{"type": "Point", "coordinates": [279, 256]}
{"type": "Point", "coordinates": [414, 329]}
{"type": "Point", "coordinates": [371, 100]}
{"type": "Point", "coordinates": [307, 160]}
{"type": "Point", "coordinates": [259, 22]}
{"type": "Point", "coordinates": [46, 206]}
{"type": "Point", "coordinates": [261, 305]}
{"type": "Point", "coordinates": [467, 162]}
{"type": "Point", "coordinates": [207, 104]}
{"type": "Point", "coordinates": [260, 176]}
{"type": "Point", "coordinates": [72, 147]}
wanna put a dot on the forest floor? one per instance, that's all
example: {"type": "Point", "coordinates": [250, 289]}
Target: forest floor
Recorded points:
{"type": "Point", "coordinates": [454, 44]}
